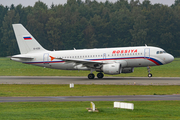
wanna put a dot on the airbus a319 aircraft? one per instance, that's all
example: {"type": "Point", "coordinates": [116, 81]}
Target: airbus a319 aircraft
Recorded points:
{"type": "Point", "coordinates": [111, 61]}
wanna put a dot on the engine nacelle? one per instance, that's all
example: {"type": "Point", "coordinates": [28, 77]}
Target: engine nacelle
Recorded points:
{"type": "Point", "coordinates": [112, 69]}
{"type": "Point", "coordinates": [127, 70]}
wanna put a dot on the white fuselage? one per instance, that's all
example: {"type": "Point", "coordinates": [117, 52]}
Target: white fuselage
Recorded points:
{"type": "Point", "coordinates": [133, 56]}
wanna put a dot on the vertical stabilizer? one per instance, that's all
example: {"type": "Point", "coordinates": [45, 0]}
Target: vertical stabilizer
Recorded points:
{"type": "Point", "coordinates": [26, 42]}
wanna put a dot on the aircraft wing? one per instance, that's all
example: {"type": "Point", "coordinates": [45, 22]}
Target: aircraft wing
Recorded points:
{"type": "Point", "coordinates": [87, 63]}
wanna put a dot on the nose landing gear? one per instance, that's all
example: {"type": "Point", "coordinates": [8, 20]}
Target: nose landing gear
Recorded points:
{"type": "Point", "coordinates": [149, 75]}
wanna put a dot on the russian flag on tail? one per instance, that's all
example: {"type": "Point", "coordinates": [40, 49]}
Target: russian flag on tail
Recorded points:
{"type": "Point", "coordinates": [27, 38]}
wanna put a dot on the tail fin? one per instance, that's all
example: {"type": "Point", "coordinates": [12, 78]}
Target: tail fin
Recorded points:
{"type": "Point", "coordinates": [26, 42]}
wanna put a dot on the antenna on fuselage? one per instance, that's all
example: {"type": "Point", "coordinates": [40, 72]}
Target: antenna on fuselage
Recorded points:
{"type": "Point", "coordinates": [145, 45]}
{"type": "Point", "coordinates": [74, 48]}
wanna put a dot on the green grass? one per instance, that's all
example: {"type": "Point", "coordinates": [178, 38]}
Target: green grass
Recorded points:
{"type": "Point", "coordinates": [85, 90]}
{"type": "Point", "coordinates": [144, 110]}
{"type": "Point", "coordinates": [12, 68]}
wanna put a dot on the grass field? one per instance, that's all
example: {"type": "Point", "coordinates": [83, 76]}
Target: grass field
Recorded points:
{"type": "Point", "coordinates": [85, 90]}
{"type": "Point", "coordinates": [144, 110]}
{"type": "Point", "coordinates": [12, 68]}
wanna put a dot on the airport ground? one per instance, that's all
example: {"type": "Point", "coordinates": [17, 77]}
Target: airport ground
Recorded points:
{"type": "Point", "coordinates": [86, 81]}
{"type": "Point", "coordinates": [164, 106]}
{"type": "Point", "coordinates": [163, 103]}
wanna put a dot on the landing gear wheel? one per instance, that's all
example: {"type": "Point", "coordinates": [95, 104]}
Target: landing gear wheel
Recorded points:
{"type": "Point", "coordinates": [91, 76]}
{"type": "Point", "coordinates": [150, 75]}
{"type": "Point", "coordinates": [100, 75]}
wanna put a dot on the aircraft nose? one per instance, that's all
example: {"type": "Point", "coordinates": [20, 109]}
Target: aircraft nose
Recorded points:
{"type": "Point", "coordinates": [169, 58]}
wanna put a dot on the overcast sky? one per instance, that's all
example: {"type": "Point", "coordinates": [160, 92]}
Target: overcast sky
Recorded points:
{"type": "Point", "coordinates": [56, 2]}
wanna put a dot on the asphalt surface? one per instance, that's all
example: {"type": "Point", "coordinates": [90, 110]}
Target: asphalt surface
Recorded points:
{"type": "Point", "coordinates": [85, 80]}
{"type": "Point", "coordinates": [91, 98]}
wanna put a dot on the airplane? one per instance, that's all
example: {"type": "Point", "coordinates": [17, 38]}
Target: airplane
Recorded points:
{"type": "Point", "coordinates": [110, 61]}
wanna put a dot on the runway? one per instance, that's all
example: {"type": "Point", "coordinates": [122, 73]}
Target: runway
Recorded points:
{"type": "Point", "coordinates": [85, 80]}
{"type": "Point", "coordinates": [91, 98]}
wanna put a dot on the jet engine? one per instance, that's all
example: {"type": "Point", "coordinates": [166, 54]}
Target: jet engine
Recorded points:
{"type": "Point", "coordinates": [127, 70]}
{"type": "Point", "coordinates": [112, 69]}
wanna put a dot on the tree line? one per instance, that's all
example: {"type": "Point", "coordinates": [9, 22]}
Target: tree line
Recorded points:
{"type": "Point", "coordinates": [93, 24]}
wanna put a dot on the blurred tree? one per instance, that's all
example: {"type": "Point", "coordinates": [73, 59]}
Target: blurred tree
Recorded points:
{"type": "Point", "coordinates": [8, 38]}
{"type": "Point", "coordinates": [89, 24]}
{"type": "Point", "coordinates": [139, 31]}
{"type": "Point", "coordinates": [53, 32]}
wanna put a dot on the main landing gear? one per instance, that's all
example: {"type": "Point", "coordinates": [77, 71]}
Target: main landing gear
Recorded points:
{"type": "Point", "coordinates": [149, 75]}
{"type": "Point", "coordinates": [91, 76]}
{"type": "Point", "coordinates": [99, 75]}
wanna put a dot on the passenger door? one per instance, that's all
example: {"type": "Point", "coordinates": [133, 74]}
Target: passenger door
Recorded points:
{"type": "Point", "coordinates": [46, 58]}
{"type": "Point", "coordinates": [147, 53]}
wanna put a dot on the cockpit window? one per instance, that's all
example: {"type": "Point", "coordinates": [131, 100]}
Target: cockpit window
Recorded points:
{"type": "Point", "coordinates": [160, 52]}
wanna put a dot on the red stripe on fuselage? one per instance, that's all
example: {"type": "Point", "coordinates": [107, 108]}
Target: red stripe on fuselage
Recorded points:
{"type": "Point", "coordinates": [96, 60]}
{"type": "Point", "coordinates": [153, 61]}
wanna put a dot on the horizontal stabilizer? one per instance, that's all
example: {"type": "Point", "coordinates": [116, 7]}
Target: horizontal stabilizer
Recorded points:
{"type": "Point", "coordinates": [22, 57]}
